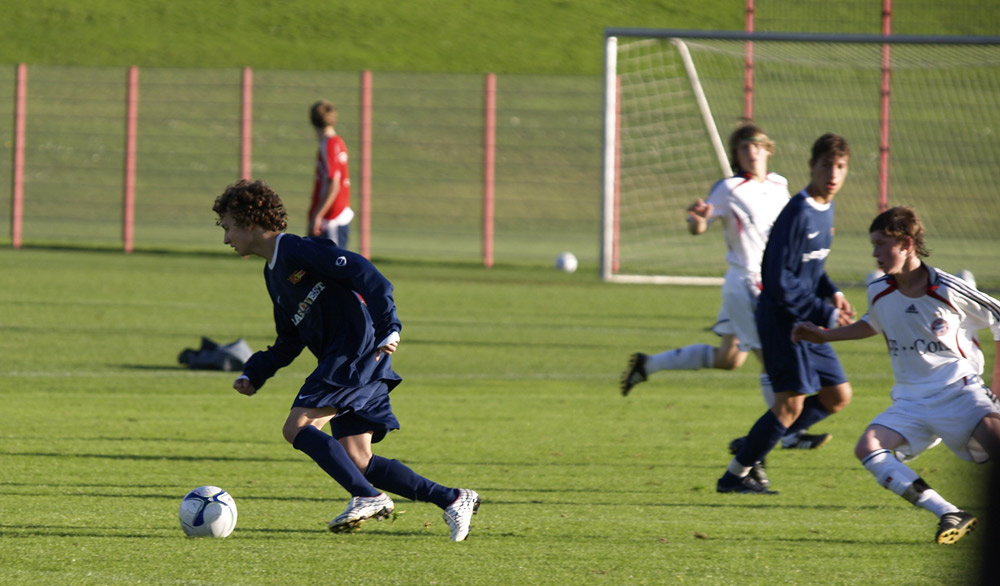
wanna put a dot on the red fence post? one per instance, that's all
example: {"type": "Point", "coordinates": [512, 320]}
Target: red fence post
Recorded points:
{"type": "Point", "coordinates": [131, 124]}
{"type": "Point", "coordinates": [883, 150]}
{"type": "Point", "coordinates": [489, 165]}
{"type": "Point", "coordinates": [20, 119]}
{"type": "Point", "coordinates": [366, 162]}
{"type": "Point", "coordinates": [748, 65]}
{"type": "Point", "coordinates": [246, 125]}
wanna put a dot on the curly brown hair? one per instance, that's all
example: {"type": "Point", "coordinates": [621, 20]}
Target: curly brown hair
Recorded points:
{"type": "Point", "coordinates": [901, 222]}
{"type": "Point", "coordinates": [252, 204]}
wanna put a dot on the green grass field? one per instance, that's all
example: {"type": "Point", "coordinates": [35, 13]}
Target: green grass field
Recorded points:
{"type": "Point", "coordinates": [510, 374]}
{"type": "Point", "coordinates": [510, 388]}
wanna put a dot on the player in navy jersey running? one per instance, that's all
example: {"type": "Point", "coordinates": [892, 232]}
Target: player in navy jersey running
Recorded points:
{"type": "Point", "coordinates": [338, 305]}
{"type": "Point", "coordinates": [809, 383]}
{"type": "Point", "coordinates": [746, 205]}
{"type": "Point", "coordinates": [929, 320]}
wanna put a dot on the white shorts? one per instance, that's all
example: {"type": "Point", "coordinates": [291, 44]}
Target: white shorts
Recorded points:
{"type": "Point", "coordinates": [740, 291]}
{"type": "Point", "coordinates": [950, 415]}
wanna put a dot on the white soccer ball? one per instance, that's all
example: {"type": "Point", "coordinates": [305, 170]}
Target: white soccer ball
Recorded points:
{"type": "Point", "coordinates": [208, 511]}
{"type": "Point", "coordinates": [876, 274]}
{"type": "Point", "coordinates": [566, 262]}
{"type": "Point", "coordinates": [967, 276]}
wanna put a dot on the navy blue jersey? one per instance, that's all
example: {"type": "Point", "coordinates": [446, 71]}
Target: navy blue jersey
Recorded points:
{"type": "Point", "coordinates": [796, 288]}
{"type": "Point", "coordinates": [793, 271]}
{"type": "Point", "coordinates": [334, 302]}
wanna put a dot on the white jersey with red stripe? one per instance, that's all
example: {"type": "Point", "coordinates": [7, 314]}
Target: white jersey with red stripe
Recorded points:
{"type": "Point", "coordinates": [931, 339]}
{"type": "Point", "coordinates": [747, 209]}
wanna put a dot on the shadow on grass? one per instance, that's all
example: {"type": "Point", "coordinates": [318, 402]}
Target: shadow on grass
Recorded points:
{"type": "Point", "coordinates": [153, 457]}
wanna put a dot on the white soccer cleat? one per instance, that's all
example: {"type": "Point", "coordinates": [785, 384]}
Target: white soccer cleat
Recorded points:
{"type": "Point", "coordinates": [459, 514]}
{"type": "Point", "coordinates": [359, 510]}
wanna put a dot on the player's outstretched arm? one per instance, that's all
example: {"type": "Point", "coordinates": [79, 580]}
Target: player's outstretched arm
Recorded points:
{"type": "Point", "coordinates": [698, 214]}
{"type": "Point", "coordinates": [810, 332]}
{"type": "Point", "coordinates": [846, 312]}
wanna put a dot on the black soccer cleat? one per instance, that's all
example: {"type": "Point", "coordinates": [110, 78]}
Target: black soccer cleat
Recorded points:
{"type": "Point", "coordinates": [954, 526]}
{"type": "Point", "coordinates": [745, 485]}
{"type": "Point", "coordinates": [634, 374]}
{"type": "Point", "coordinates": [757, 471]}
{"type": "Point", "coordinates": [807, 441]}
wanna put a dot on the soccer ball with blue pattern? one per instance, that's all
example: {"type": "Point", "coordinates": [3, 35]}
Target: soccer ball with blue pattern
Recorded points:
{"type": "Point", "coordinates": [566, 262]}
{"type": "Point", "coordinates": [208, 511]}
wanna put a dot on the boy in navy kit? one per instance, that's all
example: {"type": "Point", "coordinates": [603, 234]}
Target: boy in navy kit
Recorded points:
{"type": "Point", "coordinates": [809, 383]}
{"type": "Point", "coordinates": [338, 305]}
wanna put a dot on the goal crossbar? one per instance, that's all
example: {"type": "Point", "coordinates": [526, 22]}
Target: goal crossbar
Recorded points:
{"type": "Point", "coordinates": [671, 95]}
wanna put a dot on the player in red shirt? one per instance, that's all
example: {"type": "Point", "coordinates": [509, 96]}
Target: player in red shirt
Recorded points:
{"type": "Point", "coordinates": [330, 214]}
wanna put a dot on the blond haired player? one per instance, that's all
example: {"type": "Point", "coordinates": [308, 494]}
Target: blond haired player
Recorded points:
{"type": "Point", "coordinates": [929, 319]}
{"type": "Point", "coordinates": [746, 205]}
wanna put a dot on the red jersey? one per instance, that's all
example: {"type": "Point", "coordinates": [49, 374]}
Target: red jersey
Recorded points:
{"type": "Point", "coordinates": [331, 159]}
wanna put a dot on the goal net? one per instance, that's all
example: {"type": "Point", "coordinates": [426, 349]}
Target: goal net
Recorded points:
{"type": "Point", "coordinates": [673, 97]}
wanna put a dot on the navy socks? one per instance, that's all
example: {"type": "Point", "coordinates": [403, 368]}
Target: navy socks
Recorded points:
{"type": "Point", "coordinates": [333, 459]}
{"type": "Point", "coordinates": [395, 477]}
{"type": "Point", "coordinates": [385, 474]}
{"type": "Point", "coordinates": [762, 437]}
{"type": "Point", "coordinates": [812, 412]}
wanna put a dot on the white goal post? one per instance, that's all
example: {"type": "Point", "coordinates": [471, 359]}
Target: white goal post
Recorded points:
{"type": "Point", "coordinates": [921, 113]}
{"type": "Point", "coordinates": [612, 112]}
{"type": "Point", "coordinates": [660, 123]}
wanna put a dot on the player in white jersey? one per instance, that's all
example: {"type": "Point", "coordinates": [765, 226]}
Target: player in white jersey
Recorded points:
{"type": "Point", "coordinates": [746, 204]}
{"type": "Point", "coordinates": [929, 319]}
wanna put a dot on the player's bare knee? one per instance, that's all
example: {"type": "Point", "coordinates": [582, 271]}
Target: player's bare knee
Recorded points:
{"type": "Point", "coordinates": [865, 446]}
{"type": "Point", "coordinates": [290, 431]}
{"type": "Point", "coordinates": [987, 433]}
{"type": "Point", "coordinates": [730, 362]}
{"type": "Point", "coordinates": [836, 398]}
{"type": "Point", "coordinates": [358, 451]}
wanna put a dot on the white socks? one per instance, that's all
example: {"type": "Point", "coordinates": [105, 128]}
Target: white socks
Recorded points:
{"type": "Point", "coordinates": [692, 357]}
{"type": "Point", "coordinates": [766, 390]}
{"type": "Point", "coordinates": [900, 479]}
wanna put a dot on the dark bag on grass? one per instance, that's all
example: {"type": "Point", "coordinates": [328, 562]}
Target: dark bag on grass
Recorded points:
{"type": "Point", "coordinates": [212, 356]}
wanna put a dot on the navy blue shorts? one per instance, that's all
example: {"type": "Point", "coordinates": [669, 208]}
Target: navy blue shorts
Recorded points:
{"type": "Point", "coordinates": [804, 368]}
{"type": "Point", "coordinates": [354, 418]}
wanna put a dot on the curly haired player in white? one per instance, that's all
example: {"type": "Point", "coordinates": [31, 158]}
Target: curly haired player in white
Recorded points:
{"type": "Point", "coordinates": [929, 319]}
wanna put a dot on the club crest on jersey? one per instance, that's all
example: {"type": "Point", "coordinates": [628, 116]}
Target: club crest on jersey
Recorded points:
{"type": "Point", "coordinates": [296, 277]}
{"type": "Point", "coordinates": [939, 327]}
